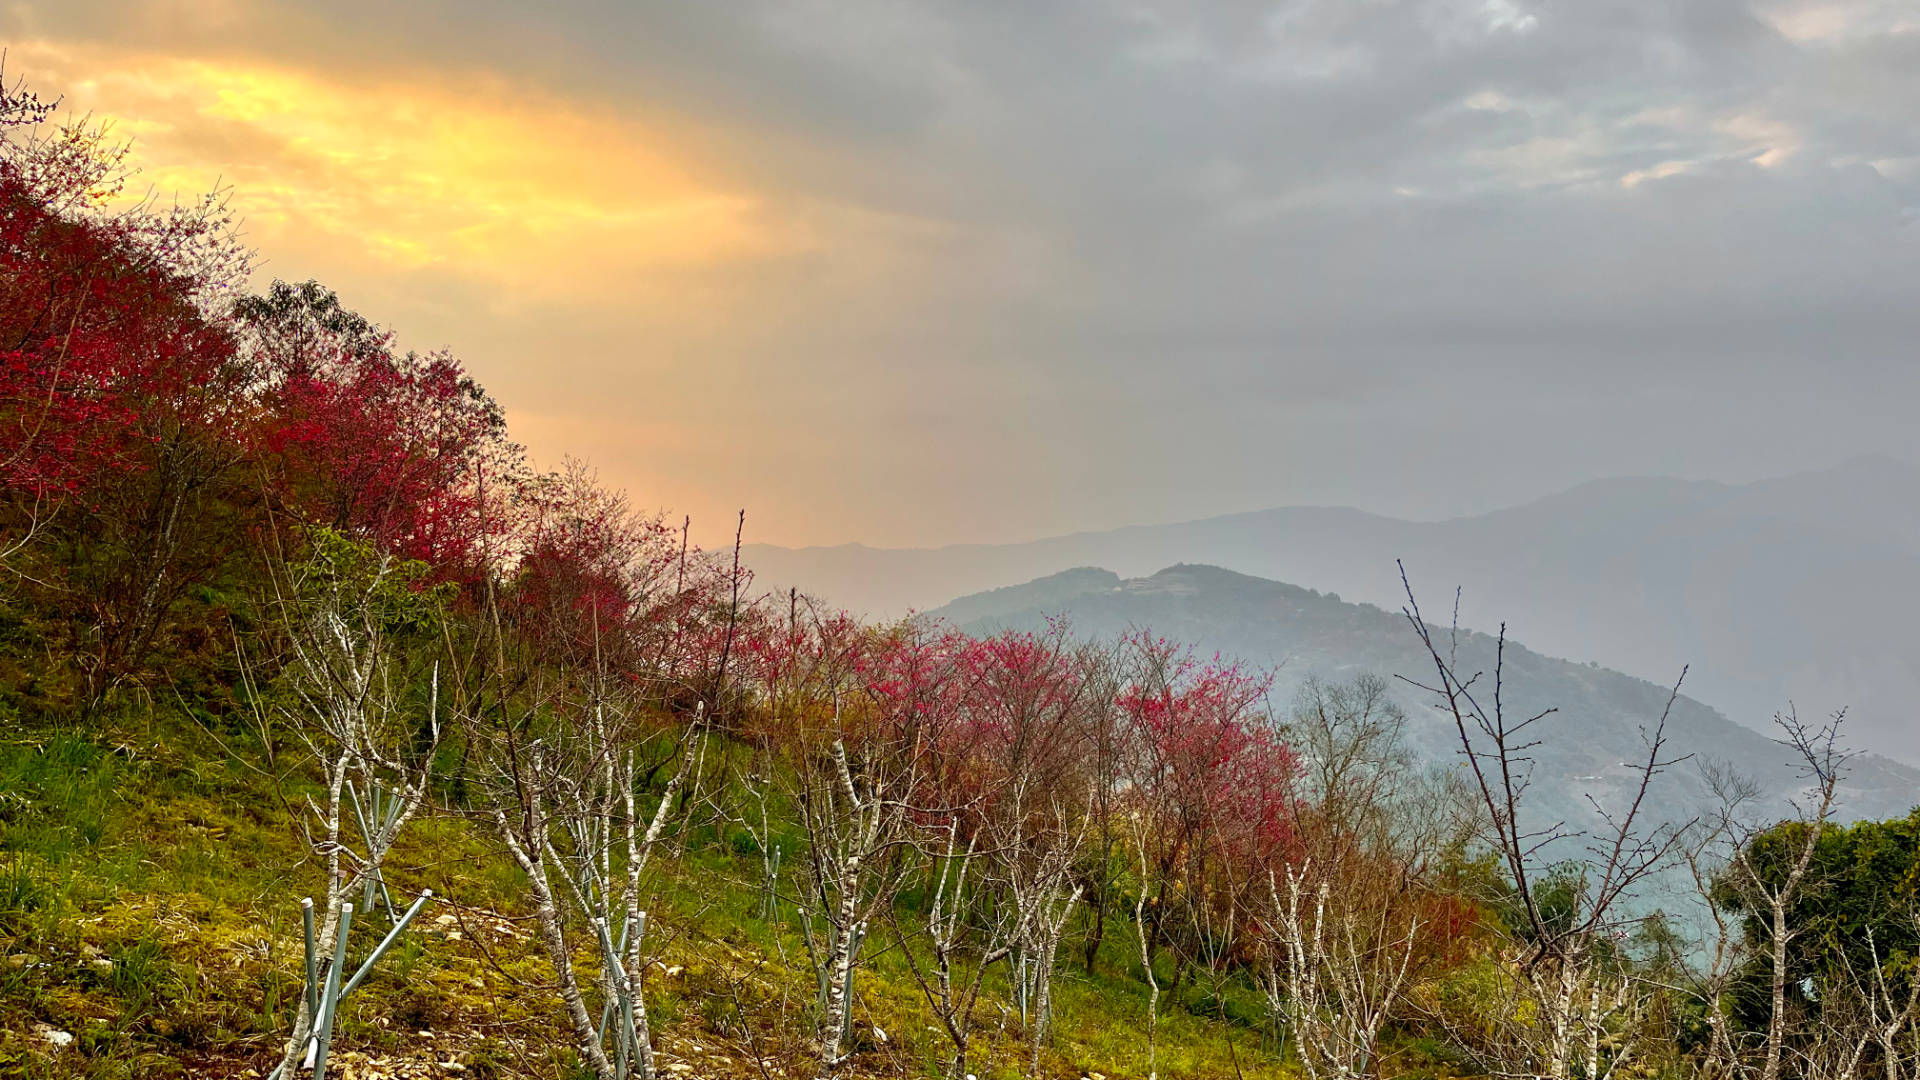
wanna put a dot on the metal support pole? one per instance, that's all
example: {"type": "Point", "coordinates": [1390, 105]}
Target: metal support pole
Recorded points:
{"type": "Point", "coordinates": [386, 943]}
{"type": "Point", "coordinates": [311, 987]}
{"type": "Point", "coordinates": [330, 1001]}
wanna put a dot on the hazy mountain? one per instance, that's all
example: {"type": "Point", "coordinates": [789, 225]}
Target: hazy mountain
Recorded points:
{"type": "Point", "coordinates": [1300, 633]}
{"type": "Point", "coordinates": [1799, 587]}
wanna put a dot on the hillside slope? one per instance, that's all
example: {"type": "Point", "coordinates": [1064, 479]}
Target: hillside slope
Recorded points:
{"type": "Point", "coordinates": [150, 871]}
{"type": "Point", "coordinates": [1299, 633]}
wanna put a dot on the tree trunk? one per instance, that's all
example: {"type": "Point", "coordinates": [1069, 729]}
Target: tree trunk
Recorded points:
{"type": "Point", "coordinates": [1777, 1021]}
{"type": "Point", "coordinates": [840, 968]}
{"type": "Point", "coordinates": [1099, 929]}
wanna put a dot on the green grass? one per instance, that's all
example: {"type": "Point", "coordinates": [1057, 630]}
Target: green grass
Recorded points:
{"type": "Point", "coordinates": [149, 881]}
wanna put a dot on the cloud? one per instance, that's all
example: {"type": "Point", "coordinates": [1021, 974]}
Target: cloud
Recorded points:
{"type": "Point", "coordinates": [867, 266]}
{"type": "Point", "coordinates": [529, 191]}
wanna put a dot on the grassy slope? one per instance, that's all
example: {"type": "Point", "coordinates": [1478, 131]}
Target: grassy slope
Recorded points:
{"type": "Point", "coordinates": [150, 873]}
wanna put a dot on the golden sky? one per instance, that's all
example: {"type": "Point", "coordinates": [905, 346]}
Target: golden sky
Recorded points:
{"type": "Point", "coordinates": [589, 263]}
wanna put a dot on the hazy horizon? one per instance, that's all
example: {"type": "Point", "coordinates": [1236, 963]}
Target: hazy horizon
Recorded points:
{"type": "Point", "coordinates": [1490, 506]}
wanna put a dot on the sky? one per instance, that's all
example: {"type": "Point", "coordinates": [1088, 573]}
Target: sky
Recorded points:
{"type": "Point", "coordinates": [912, 273]}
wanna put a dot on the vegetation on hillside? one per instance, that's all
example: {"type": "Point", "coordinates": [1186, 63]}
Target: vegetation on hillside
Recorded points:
{"type": "Point", "coordinates": [286, 615]}
{"type": "Point", "coordinates": [1303, 634]}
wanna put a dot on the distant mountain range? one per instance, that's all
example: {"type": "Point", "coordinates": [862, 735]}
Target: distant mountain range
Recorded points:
{"type": "Point", "coordinates": [1798, 588]}
{"type": "Point", "coordinates": [1585, 747]}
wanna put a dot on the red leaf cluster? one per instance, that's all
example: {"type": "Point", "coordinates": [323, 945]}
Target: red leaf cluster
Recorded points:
{"type": "Point", "coordinates": [100, 347]}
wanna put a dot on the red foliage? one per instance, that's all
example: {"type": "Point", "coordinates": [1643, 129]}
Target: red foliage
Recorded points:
{"type": "Point", "coordinates": [1019, 734]}
{"type": "Point", "coordinates": [123, 404]}
{"type": "Point", "coordinates": [101, 347]}
{"type": "Point", "coordinates": [375, 443]}
{"type": "Point", "coordinates": [800, 664]}
{"type": "Point", "coordinates": [1210, 771]}
{"type": "Point", "coordinates": [597, 583]}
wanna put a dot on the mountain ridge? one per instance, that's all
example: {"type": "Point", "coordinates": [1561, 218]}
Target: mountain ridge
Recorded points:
{"type": "Point", "coordinates": [1300, 633]}
{"type": "Point", "coordinates": [1791, 588]}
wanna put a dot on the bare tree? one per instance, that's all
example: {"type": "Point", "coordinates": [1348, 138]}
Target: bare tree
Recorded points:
{"type": "Point", "coordinates": [1822, 764]}
{"type": "Point", "coordinates": [567, 808]}
{"type": "Point", "coordinates": [1578, 1009]}
{"type": "Point", "coordinates": [1339, 975]}
{"type": "Point", "coordinates": [350, 709]}
{"type": "Point", "coordinates": [964, 939]}
{"type": "Point", "coordinates": [1146, 953]}
{"type": "Point", "coordinates": [1343, 914]}
{"type": "Point", "coordinates": [1024, 708]}
{"type": "Point", "coordinates": [855, 816]}
{"type": "Point", "coordinates": [1044, 899]}
{"type": "Point", "coordinates": [1034, 853]}
{"type": "Point", "coordinates": [1711, 981]}
{"type": "Point", "coordinates": [1102, 723]}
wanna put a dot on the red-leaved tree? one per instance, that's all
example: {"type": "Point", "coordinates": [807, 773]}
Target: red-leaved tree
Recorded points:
{"type": "Point", "coordinates": [388, 446]}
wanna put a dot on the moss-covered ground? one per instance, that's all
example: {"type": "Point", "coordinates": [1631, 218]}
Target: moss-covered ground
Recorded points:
{"type": "Point", "coordinates": [151, 866]}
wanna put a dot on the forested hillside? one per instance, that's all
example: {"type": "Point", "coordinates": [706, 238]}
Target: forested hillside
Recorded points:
{"type": "Point", "coordinates": [1303, 635]}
